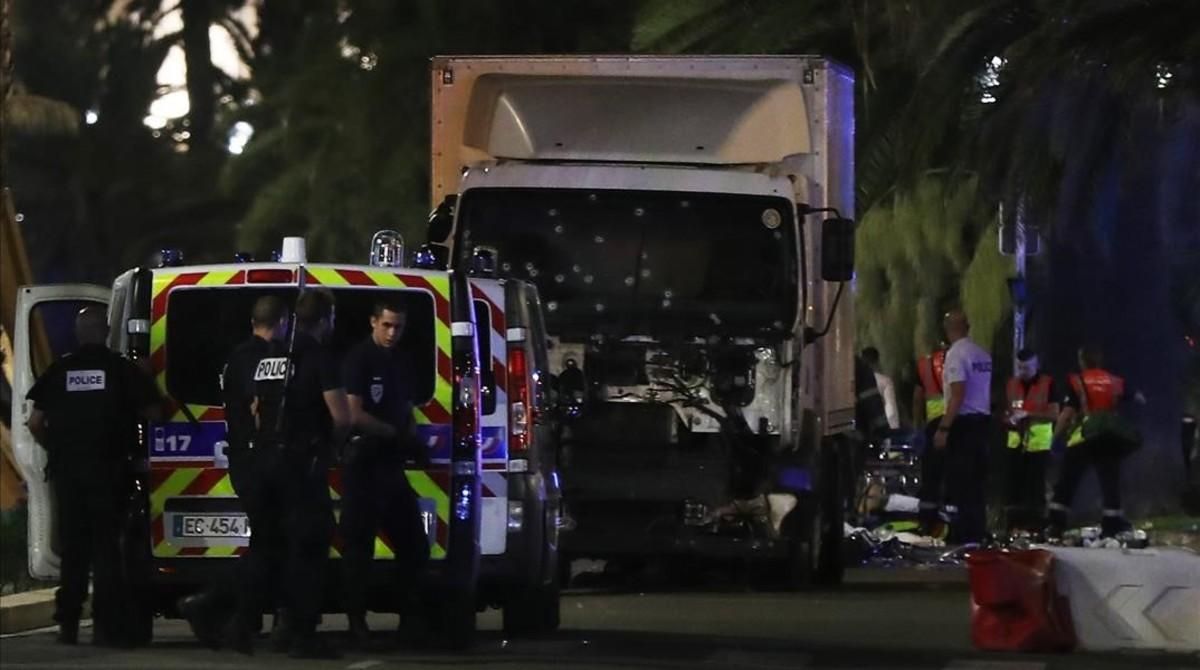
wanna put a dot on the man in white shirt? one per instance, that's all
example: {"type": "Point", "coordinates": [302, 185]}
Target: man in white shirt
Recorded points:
{"type": "Point", "coordinates": [887, 388]}
{"type": "Point", "coordinates": [963, 433]}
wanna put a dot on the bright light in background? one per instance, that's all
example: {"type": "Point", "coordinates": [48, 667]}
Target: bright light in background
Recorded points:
{"type": "Point", "coordinates": [172, 102]}
{"type": "Point", "coordinates": [91, 117]}
{"type": "Point", "coordinates": [1163, 76]}
{"type": "Point", "coordinates": [989, 81]}
{"type": "Point", "coordinates": [239, 135]}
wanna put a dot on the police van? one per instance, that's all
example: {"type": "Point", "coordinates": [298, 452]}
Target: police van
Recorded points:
{"type": "Point", "coordinates": [489, 496]}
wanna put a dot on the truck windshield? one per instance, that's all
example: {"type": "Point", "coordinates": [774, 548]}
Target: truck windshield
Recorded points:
{"type": "Point", "coordinates": [655, 263]}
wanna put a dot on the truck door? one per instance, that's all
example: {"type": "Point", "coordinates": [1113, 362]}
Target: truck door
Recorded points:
{"type": "Point", "coordinates": [45, 330]}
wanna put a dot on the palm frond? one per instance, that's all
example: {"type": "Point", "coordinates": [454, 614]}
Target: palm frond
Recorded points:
{"type": "Point", "coordinates": [40, 116]}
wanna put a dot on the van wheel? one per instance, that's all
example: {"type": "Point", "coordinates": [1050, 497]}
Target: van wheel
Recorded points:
{"type": "Point", "coordinates": [532, 612]}
{"type": "Point", "coordinates": [455, 622]}
{"type": "Point", "coordinates": [138, 617]}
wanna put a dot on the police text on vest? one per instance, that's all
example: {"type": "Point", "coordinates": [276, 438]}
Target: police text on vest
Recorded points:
{"type": "Point", "coordinates": [271, 369]}
{"type": "Point", "coordinates": [85, 380]}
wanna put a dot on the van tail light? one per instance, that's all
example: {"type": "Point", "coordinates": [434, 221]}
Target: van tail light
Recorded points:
{"type": "Point", "coordinates": [520, 414]}
{"type": "Point", "coordinates": [465, 405]}
{"type": "Point", "coordinates": [462, 541]}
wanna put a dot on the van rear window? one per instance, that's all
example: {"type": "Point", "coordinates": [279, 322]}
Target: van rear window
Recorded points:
{"type": "Point", "coordinates": [205, 324]}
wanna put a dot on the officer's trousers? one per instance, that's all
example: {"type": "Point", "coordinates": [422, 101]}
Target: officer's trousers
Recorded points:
{"type": "Point", "coordinates": [1103, 452]}
{"type": "Point", "coordinates": [290, 507]}
{"type": "Point", "coordinates": [89, 525]}
{"type": "Point", "coordinates": [957, 476]}
{"type": "Point", "coordinates": [268, 543]}
{"type": "Point", "coordinates": [1025, 488]}
{"type": "Point", "coordinates": [376, 496]}
{"type": "Point", "coordinates": [933, 478]}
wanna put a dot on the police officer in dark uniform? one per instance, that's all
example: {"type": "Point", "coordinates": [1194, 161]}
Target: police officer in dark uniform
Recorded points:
{"type": "Point", "coordinates": [86, 409]}
{"type": "Point", "coordinates": [376, 492]}
{"type": "Point", "coordinates": [299, 410]}
{"type": "Point", "coordinates": [208, 611]}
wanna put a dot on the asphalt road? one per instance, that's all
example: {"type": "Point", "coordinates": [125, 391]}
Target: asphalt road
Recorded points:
{"type": "Point", "coordinates": [900, 618]}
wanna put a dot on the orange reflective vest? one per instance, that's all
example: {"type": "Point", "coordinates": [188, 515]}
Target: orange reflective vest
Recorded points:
{"type": "Point", "coordinates": [1032, 399]}
{"type": "Point", "coordinates": [1098, 391]}
{"type": "Point", "coordinates": [929, 371]}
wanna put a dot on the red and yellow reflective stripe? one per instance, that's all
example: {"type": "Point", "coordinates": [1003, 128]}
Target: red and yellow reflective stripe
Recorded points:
{"type": "Point", "coordinates": [167, 483]}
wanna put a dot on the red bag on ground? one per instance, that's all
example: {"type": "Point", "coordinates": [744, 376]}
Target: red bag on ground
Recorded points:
{"type": "Point", "coordinates": [1014, 603]}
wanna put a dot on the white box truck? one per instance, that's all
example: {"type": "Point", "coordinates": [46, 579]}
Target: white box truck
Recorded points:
{"type": "Point", "coordinates": [682, 219]}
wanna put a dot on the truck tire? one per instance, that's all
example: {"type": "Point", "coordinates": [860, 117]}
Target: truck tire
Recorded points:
{"type": "Point", "coordinates": [830, 566]}
{"type": "Point", "coordinates": [814, 528]}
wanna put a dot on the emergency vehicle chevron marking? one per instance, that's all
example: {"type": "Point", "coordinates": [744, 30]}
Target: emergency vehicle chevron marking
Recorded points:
{"type": "Point", "coordinates": [167, 482]}
{"type": "Point", "coordinates": [204, 482]}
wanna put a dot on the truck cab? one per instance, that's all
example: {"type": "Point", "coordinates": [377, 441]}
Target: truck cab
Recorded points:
{"type": "Point", "coordinates": [670, 211]}
{"type": "Point", "coordinates": [489, 496]}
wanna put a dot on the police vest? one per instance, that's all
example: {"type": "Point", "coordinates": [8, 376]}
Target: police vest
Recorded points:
{"type": "Point", "coordinates": [1098, 391]}
{"type": "Point", "coordinates": [929, 370]}
{"type": "Point", "coordinates": [1033, 400]}
{"type": "Point", "coordinates": [90, 423]}
{"type": "Point", "coordinates": [270, 376]}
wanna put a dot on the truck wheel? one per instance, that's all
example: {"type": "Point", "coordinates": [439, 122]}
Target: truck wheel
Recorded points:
{"type": "Point", "coordinates": [815, 529]}
{"type": "Point", "coordinates": [804, 548]}
{"type": "Point", "coordinates": [831, 567]}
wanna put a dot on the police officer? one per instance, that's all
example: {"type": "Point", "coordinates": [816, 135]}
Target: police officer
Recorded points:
{"type": "Point", "coordinates": [1030, 416]}
{"type": "Point", "coordinates": [208, 611]}
{"type": "Point", "coordinates": [85, 411]}
{"type": "Point", "coordinates": [962, 433]}
{"type": "Point", "coordinates": [299, 410]}
{"type": "Point", "coordinates": [1099, 438]}
{"type": "Point", "coordinates": [376, 493]}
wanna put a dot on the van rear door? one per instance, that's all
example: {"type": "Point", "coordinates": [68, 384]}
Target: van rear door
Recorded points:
{"type": "Point", "coordinates": [45, 330]}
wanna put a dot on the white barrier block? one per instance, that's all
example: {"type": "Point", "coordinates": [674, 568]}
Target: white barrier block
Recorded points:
{"type": "Point", "coordinates": [1131, 598]}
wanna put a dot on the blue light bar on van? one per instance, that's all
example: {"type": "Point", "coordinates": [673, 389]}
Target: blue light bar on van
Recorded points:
{"type": "Point", "coordinates": [427, 258]}
{"type": "Point", "coordinates": [170, 258]}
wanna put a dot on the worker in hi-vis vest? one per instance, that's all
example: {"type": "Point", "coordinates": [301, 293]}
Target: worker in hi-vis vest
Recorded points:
{"type": "Point", "coordinates": [1029, 419]}
{"type": "Point", "coordinates": [1099, 437]}
{"type": "Point", "coordinates": [929, 405]}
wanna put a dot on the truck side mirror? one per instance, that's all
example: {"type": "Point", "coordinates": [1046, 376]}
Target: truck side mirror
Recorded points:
{"type": "Point", "coordinates": [441, 220]}
{"type": "Point", "coordinates": [837, 249]}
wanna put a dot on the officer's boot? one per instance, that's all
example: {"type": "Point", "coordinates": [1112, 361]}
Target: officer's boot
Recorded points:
{"type": "Point", "coordinates": [360, 633]}
{"type": "Point", "coordinates": [312, 646]}
{"type": "Point", "coordinates": [1056, 522]}
{"type": "Point", "coordinates": [281, 631]}
{"type": "Point", "coordinates": [68, 631]}
{"type": "Point", "coordinates": [414, 631]}
{"type": "Point", "coordinates": [1114, 523]}
{"type": "Point", "coordinates": [200, 610]}
{"type": "Point", "coordinates": [239, 634]}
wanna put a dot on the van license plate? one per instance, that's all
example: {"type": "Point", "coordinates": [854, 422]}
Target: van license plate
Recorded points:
{"type": "Point", "coordinates": [212, 525]}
